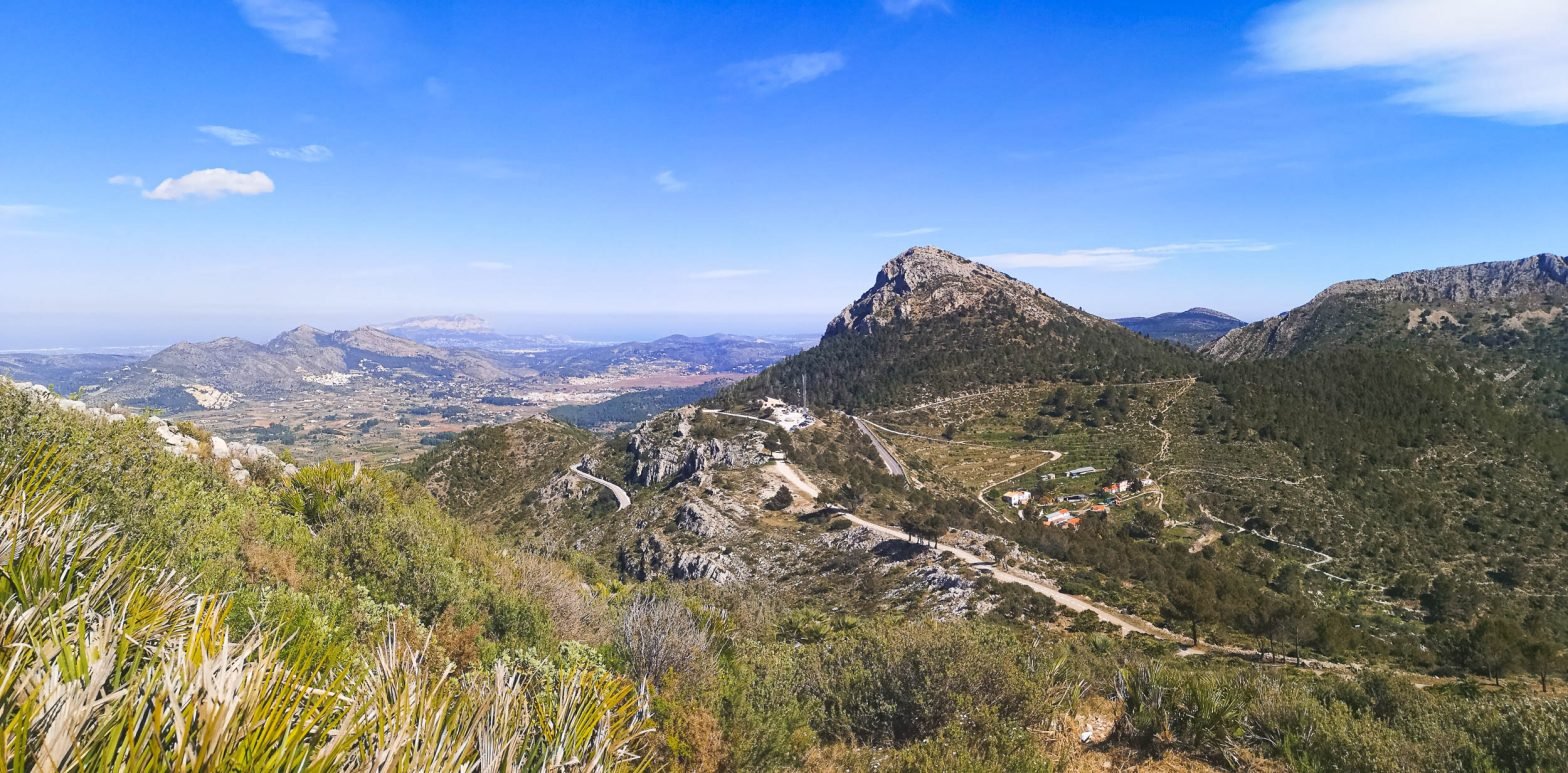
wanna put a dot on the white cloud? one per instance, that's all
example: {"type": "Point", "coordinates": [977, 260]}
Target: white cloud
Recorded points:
{"type": "Point", "coordinates": [308, 153]}
{"type": "Point", "coordinates": [907, 7]}
{"type": "Point", "coordinates": [728, 273]}
{"type": "Point", "coordinates": [902, 234]}
{"type": "Point", "coordinates": [489, 265]}
{"type": "Point", "coordinates": [299, 26]}
{"type": "Point", "coordinates": [1119, 258]}
{"type": "Point", "coordinates": [1499, 58]}
{"type": "Point", "coordinates": [126, 179]}
{"type": "Point", "coordinates": [668, 182]}
{"type": "Point", "coordinates": [231, 135]}
{"type": "Point", "coordinates": [779, 72]}
{"type": "Point", "coordinates": [211, 184]}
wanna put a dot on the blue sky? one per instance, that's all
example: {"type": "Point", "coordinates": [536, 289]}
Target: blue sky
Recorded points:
{"type": "Point", "coordinates": [699, 166]}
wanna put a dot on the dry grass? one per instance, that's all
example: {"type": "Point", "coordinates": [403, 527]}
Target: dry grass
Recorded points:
{"type": "Point", "coordinates": [112, 664]}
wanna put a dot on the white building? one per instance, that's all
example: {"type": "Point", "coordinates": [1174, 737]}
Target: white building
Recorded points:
{"type": "Point", "coordinates": [790, 417]}
{"type": "Point", "coordinates": [1017, 498]}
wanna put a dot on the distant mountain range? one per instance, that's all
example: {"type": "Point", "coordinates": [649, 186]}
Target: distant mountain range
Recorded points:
{"type": "Point", "coordinates": [469, 331]}
{"type": "Point", "coordinates": [65, 372]}
{"type": "Point", "coordinates": [1193, 327]}
{"type": "Point", "coordinates": [424, 351]}
{"type": "Point", "coordinates": [171, 379]}
{"type": "Point", "coordinates": [452, 323]}
{"type": "Point", "coordinates": [718, 352]}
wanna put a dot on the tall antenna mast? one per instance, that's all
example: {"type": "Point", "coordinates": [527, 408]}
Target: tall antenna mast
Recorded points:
{"type": "Point", "coordinates": [803, 402]}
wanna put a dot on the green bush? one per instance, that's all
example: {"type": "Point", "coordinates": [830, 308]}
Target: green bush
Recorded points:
{"type": "Point", "coordinates": [113, 664]}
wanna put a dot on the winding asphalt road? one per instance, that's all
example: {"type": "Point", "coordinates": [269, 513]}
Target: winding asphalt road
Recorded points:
{"type": "Point", "coordinates": [888, 460]}
{"type": "Point", "coordinates": [621, 497]}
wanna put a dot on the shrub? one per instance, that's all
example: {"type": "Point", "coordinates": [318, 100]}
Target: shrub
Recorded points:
{"type": "Point", "coordinates": [781, 499]}
{"type": "Point", "coordinates": [663, 641]}
{"type": "Point", "coordinates": [111, 666]}
{"type": "Point", "coordinates": [1200, 713]}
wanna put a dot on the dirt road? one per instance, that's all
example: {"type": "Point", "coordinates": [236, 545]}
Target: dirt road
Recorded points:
{"type": "Point", "coordinates": [1126, 623]}
{"type": "Point", "coordinates": [795, 480]}
{"type": "Point", "coordinates": [741, 416]}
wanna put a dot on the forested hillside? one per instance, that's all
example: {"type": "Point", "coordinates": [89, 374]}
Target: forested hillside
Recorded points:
{"type": "Point", "coordinates": [1390, 493]}
{"type": "Point", "coordinates": [909, 361]}
{"type": "Point", "coordinates": [632, 407]}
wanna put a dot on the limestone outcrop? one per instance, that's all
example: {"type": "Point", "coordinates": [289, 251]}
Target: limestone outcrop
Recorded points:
{"type": "Point", "coordinates": [664, 454]}
{"type": "Point", "coordinates": [240, 456]}
{"type": "Point", "coordinates": [926, 282]}
{"type": "Point", "coordinates": [1537, 276]}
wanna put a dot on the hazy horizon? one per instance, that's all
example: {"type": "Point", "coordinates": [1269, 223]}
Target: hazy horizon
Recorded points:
{"type": "Point", "coordinates": [111, 334]}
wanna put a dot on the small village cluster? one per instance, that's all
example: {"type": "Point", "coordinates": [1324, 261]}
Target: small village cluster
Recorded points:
{"type": "Point", "coordinates": [1064, 517]}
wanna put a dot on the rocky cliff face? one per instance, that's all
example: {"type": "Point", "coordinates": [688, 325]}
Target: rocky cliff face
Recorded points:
{"type": "Point", "coordinates": [714, 516]}
{"type": "Point", "coordinates": [653, 555]}
{"type": "Point", "coordinates": [664, 450]}
{"type": "Point", "coordinates": [926, 282]}
{"type": "Point", "coordinates": [1541, 278]}
{"type": "Point", "coordinates": [1461, 284]}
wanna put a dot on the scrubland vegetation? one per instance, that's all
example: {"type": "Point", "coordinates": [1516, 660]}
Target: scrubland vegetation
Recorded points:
{"type": "Point", "coordinates": [159, 616]}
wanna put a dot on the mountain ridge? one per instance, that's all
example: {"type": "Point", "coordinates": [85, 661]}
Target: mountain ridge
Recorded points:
{"type": "Point", "coordinates": [287, 362]}
{"type": "Point", "coordinates": [1378, 308]}
{"type": "Point", "coordinates": [467, 323]}
{"type": "Point", "coordinates": [1194, 327]}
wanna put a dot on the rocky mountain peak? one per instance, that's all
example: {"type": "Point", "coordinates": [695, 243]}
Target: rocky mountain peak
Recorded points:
{"type": "Point", "coordinates": [928, 282]}
{"type": "Point", "coordinates": [921, 266]}
{"type": "Point", "coordinates": [304, 335]}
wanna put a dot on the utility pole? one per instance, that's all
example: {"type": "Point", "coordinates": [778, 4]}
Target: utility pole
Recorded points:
{"type": "Point", "coordinates": [803, 402]}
